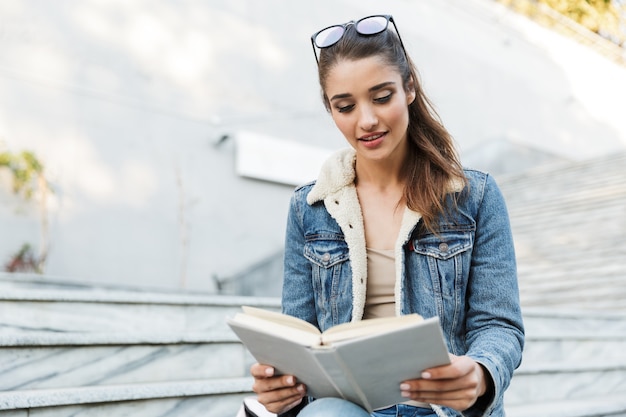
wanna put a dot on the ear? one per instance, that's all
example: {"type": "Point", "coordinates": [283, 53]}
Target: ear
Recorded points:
{"type": "Point", "coordinates": [410, 92]}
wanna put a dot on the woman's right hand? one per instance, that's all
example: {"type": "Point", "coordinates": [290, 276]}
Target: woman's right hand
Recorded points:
{"type": "Point", "coordinates": [278, 394]}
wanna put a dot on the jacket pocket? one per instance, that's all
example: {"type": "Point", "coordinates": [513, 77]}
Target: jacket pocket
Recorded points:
{"type": "Point", "coordinates": [447, 256]}
{"type": "Point", "coordinates": [444, 246]}
{"type": "Point", "coordinates": [331, 276]}
{"type": "Point", "coordinates": [325, 250]}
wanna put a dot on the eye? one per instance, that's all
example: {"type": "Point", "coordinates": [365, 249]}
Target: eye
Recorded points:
{"type": "Point", "coordinates": [345, 109]}
{"type": "Point", "coordinates": [383, 99]}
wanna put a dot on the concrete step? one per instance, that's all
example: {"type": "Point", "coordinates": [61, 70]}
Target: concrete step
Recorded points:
{"type": "Point", "coordinates": [220, 398]}
{"type": "Point", "coordinates": [546, 321]}
{"type": "Point", "coordinates": [557, 381]}
{"type": "Point", "coordinates": [578, 346]}
{"type": "Point", "coordinates": [586, 299]}
{"type": "Point", "coordinates": [577, 273]}
{"type": "Point", "coordinates": [577, 178]}
{"type": "Point", "coordinates": [72, 360]}
{"type": "Point", "coordinates": [115, 351]}
{"type": "Point", "coordinates": [570, 355]}
{"type": "Point", "coordinates": [613, 405]}
{"type": "Point", "coordinates": [88, 362]}
{"type": "Point", "coordinates": [43, 305]}
{"type": "Point", "coordinates": [611, 302]}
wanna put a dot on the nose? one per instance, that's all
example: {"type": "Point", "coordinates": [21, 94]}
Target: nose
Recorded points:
{"type": "Point", "coordinates": [367, 118]}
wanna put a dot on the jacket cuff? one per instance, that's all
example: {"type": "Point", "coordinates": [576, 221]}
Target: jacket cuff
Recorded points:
{"type": "Point", "coordinates": [294, 411]}
{"type": "Point", "coordinates": [485, 401]}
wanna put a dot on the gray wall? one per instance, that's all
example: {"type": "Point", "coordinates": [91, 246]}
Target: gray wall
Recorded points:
{"type": "Point", "coordinates": [125, 102]}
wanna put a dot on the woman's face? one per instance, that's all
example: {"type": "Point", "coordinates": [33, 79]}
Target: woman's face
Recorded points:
{"type": "Point", "coordinates": [370, 107]}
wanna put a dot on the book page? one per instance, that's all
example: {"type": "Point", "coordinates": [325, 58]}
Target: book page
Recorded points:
{"type": "Point", "coordinates": [368, 327]}
{"type": "Point", "coordinates": [278, 330]}
{"type": "Point", "coordinates": [291, 358]}
{"type": "Point", "coordinates": [280, 318]}
{"type": "Point", "coordinates": [378, 364]}
{"type": "Point", "coordinates": [366, 369]}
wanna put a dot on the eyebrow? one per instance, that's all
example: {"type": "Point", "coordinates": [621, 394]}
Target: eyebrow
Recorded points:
{"type": "Point", "coordinates": [371, 89]}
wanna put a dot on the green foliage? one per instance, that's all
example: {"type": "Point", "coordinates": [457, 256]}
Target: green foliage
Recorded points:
{"type": "Point", "coordinates": [28, 177]}
{"type": "Point", "coordinates": [25, 261]}
{"type": "Point", "coordinates": [27, 171]}
{"type": "Point", "coordinates": [604, 17]}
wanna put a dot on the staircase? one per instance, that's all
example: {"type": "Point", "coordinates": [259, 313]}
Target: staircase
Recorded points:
{"type": "Point", "coordinates": [79, 350]}
{"type": "Point", "coordinates": [68, 349]}
{"type": "Point", "coordinates": [569, 225]}
{"type": "Point", "coordinates": [574, 365]}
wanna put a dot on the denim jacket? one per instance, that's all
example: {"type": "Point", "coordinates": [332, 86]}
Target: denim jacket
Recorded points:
{"type": "Point", "coordinates": [465, 273]}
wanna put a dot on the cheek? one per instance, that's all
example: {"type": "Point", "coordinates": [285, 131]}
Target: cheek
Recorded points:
{"type": "Point", "coordinates": [398, 115]}
{"type": "Point", "coordinates": [343, 123]}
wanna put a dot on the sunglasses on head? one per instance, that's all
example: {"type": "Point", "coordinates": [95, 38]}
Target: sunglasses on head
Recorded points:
{"type": "Point", "coordinates": [367, 26]}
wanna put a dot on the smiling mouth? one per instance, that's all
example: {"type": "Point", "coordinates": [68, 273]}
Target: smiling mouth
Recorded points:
{"type": "Point", "coordinates": [372, 137]}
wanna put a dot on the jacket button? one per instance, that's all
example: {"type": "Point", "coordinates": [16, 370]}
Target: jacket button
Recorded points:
{"type": "Point", "coordinates": [326, 257]}
{"type": "Point", "coordinates": [443, 247]}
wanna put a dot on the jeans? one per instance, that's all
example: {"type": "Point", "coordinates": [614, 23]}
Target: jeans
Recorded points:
{"type": "Point", "coordinates": [336, 407]}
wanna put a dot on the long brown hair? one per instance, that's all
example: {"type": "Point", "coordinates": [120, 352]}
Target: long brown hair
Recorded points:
{"type": "Point", "coordinates": [432, 163]}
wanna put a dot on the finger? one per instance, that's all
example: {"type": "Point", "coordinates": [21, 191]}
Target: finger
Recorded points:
{"type": "Point", "coordinates": [279, 401]}
{"type": "Point", "coordinates": [459, 399]}
{"type": "Point", "coordinates": [441, 395]}
{"type": "Point", "coordinates": [456, 381]}
{"type": "Point", "coordinates": [458, 368]}
{"type": "Point", "coordinates": [441, 385]}
{"type": "Point", "coordinates": [261, 371]}
{"type": "Point", "coordinates": [273, 383]}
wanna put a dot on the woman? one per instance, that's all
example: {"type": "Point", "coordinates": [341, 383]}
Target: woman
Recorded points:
{"type": "Point", "coordinates": [394, 225]}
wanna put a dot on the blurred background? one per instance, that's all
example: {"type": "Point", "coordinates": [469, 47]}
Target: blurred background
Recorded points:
{"type": "Point", "coordinates": [148, 151]}
{"type": "Point", "coordinates": [157, 143]}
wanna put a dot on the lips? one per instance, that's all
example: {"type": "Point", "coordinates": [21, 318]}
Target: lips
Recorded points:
{"type": "Point", "coordinates": [372, 137]}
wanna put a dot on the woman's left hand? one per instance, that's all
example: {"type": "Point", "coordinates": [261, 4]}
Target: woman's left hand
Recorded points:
{"type": "Point", "coordinates": [457, 385]}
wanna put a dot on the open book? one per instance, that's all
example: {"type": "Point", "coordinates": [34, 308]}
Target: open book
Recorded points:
{"type": "Point", "coordinates": [363, 362]}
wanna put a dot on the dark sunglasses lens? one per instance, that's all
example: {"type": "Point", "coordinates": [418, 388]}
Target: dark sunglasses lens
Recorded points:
{"type": "Point", "coordinates": [371, 25]}
{"type": "Point", "coordinates": [329, 36]}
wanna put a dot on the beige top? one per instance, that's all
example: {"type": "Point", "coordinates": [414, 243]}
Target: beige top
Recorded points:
{"type": "Point", "coordinates": [380, 302]}
{"type": "Point", "coordinates": [381, 278]}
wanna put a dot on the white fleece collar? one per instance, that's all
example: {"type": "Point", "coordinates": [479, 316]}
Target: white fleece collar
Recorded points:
{"type": "Point", "coordinates": [337, 172]}
{"type": "Point", "coordinates": [335, 187]}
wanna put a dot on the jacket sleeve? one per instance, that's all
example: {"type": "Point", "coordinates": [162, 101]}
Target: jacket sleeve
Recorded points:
{"type": "Point", "coordinates": [495, 331]}
{"type": "Point", "coordinates": [298, 294]}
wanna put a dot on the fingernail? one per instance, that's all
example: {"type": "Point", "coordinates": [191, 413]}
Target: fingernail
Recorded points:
{"type": "Point", "coordinates": [426, 375]}
{"type": "Point", "coordinates": [300, 388]}
{"type": "Point", "coordinates": [405, 387]}
{"type": "Point", "coordinates": [269, 371]}
{"type": "Point", "coordinates": [290, 380]}
{"type": "Point", "coordinates": [405, 394]}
